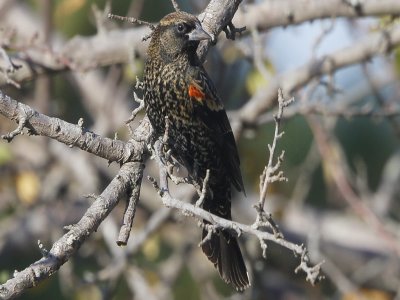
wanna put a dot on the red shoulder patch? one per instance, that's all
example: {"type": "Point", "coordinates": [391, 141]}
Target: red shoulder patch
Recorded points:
{"type": "Point", "coordinates": [196, 93]}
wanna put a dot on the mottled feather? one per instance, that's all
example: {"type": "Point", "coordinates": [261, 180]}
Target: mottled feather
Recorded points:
{"type": "Point", "coordinates": [200, 136]}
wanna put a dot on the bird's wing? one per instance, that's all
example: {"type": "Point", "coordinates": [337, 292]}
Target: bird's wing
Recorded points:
{"type": "Point", "coordinates": [209, 109]}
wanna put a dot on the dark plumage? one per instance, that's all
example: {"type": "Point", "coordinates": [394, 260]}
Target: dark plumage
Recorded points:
{"type": "Point", "coordinates": [200, 136]}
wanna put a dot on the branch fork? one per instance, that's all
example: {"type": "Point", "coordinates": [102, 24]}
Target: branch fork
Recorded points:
{"type": "Point", "coordinates": [24, 117]}
{"type": "Point", "coordinates": [211, 229]}
{"type": "Point", "coordinates": [139, 85]}
{"type": "Point", "coordinates": [313, 273]}
{"type": "Point", "coordinates": [272, 173]}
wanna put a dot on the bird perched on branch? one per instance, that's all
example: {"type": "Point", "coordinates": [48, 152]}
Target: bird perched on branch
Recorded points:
{"type": "Point", "coordinates": [177, 87]}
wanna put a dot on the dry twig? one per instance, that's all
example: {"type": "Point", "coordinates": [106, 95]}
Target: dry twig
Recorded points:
{"type": "Point", "coordinates": [131, 20]}
{"type": "Point", "coordinates": [175, 4]}
{"type": "Point", "coordinates": [271, 172]}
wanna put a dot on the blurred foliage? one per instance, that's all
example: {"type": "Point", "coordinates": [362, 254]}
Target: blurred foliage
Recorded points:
{"type": "Point", "coordinates": [368, 142]}
{"type": "Point", "coordinates": [27, 186]}
{"type": "Point", "coordinates": [78, 11]}
{"type": "Point", "coordinates": [5, 154]}
{"type": "Point", "coordinates": [368, 294]}
{"type": "Point", "coordinates": [255, 79]}
{"type": "Point", "coordinates": [296, 142]}
{"type": "Point", "coordinates": [397, 60]}
{"type": "Point", "coordinates": [185, 287]}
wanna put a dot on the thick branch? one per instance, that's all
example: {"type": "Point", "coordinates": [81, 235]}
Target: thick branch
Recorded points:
{"type": "Point", "coordinates": [267, 14]}
{"type": "Point", "coordinates": [216, 17]}
{"type": "Point", "coordinates": [67, 133]}
{"type": "Point", "coordinates": [69, 244]}
{"type": "Point", "coordinates": [80, 53]}
{"type": "Point", "coordinates": [130, 211]}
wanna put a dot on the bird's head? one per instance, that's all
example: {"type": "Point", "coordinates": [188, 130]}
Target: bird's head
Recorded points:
{"type": "Point", "coordinates": [177, 33]}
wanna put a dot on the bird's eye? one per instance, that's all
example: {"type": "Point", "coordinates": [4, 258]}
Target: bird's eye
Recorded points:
{"type": "Point", "coordinates": [181, 27]}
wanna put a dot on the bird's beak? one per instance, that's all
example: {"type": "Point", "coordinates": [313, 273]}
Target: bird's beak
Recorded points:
{"type": "Point", "coordinates": [198, 34]}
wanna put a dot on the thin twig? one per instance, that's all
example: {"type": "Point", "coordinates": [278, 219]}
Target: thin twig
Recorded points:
{"type": "Point", "coordinates": [137, 109]}
{"type": "Point", "coordinates": [130, 211]}
{"type": "Point", "coordinates": [131, 20]}
{"type": "Point", "coordinates": [175, 4]}
{"type": "Point", "coordinates": [269, 175]}
{"type": "Point", "coordinates": [204, 189]}
{"type": "Point", "coordinates": [313, 273]}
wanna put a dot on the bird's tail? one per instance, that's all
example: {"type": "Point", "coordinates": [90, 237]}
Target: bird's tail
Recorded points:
{"type": "Point", "coordinates": [223, 250]}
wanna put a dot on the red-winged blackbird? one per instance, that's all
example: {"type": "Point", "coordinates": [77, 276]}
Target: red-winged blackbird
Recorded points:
{"type": "Point", "coordinates": [199, 134]}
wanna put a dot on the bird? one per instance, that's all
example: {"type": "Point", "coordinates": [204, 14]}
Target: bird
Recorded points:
{"type": "Point", "coordinates": [178, 89]}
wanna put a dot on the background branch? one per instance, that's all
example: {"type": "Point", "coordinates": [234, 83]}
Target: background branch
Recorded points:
{"type": "Point", "coordinates": [267, 14]}
{"type": "Point", "coordinates": [375, 44]}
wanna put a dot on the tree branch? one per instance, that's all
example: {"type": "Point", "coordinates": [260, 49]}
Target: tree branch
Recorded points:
{"type": "Point", "coordinates": [129, 214]}
{"type": "Point", "coordinates": [64, 132]}
{"type": "Point", "coordinates": [115, 46]}
{"type": "Point", "coordinates": [69, 243]}
{"type": "Point", "coordinates": [270, 173]}
{"type": "Point", "coordinates": [267, 14]}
